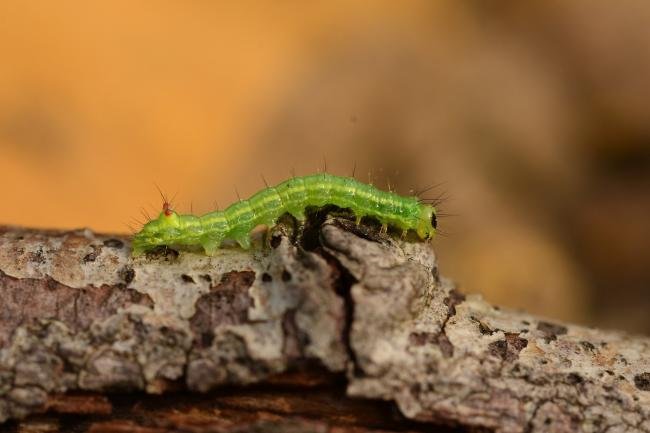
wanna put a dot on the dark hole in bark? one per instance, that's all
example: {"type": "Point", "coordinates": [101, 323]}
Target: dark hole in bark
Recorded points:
{"type": "Point", "coordinates": [187, 279]}
{"type": "Point", "coordinates": [113, 243]}
{"type": "Point", "coordinates": [126, 274]}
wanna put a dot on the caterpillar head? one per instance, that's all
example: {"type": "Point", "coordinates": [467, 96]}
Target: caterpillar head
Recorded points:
{"type": "Point", "coordinates": [163, 230]}
{"type": "Point", "coordinates": [427, 222]}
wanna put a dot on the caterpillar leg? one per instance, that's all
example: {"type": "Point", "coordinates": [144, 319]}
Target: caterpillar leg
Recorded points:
{"type": "Point", "coordinates": [244, 241]}
{"type": "Point", "coordinates": [210, 247]}
{"type": "Point", "coordinates": [384, 229]}
{"type": "Point", "coordinates": [358, 219]}
{"type": "Point", "coordinates": [298, 214]}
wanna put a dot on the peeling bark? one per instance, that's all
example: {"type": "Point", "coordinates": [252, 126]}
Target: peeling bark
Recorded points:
{"type": "Point", "coordinates": [79, 315]}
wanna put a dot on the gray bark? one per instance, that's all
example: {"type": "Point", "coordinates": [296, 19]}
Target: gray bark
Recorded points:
{"type": "Point", "coordinates": [79, 314]}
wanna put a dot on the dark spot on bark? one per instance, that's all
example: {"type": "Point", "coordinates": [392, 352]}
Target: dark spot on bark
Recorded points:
{"type": "Point", "coordinates": [498, 348]}
{"type": "Point", "coordinates": [435, 273]}
{"type": "Point", "coordinates": [207, 278]}
{"type": "Point", "coordinates": [186, 278]}
{"type": "Point", "coordinates": [574, 379]}
{"type": "Point", "coordinates": [484, 329]}
{"type": "Point", "coordinates": [543, 361]}
{"type": "Point", "coordinates": [610, 372]}
{"type": "Point", "coordinates": [622, 378]}
{"type": "Point", "coordinates": [206, 338]}
{"type": "Point", "coordinates": [90, 257]}
{"type": "Point", "coordinates": [126, 274]}
{"type": "Point", "coordinates": [551, 330]}
{"type": "Point", "coordinates": [525, 322]}
{"type": "Point", "coordinates": [162, 252]}
{"type": "Point", "coordinates": [227, 303]}
{"type": "Point", "coordinates": [455, 297]}
{"type": "Point", "coordinates": [275, 241]}
{"type": "Point", "coordinates": [266, 277]}
{"type": "Point", "coordinates": [422, 338]}
{"type": "Point", "coordinates": [114, 243]}
{"type": "Point", "coordinates": [245, 278]}
{"type": "Point", "coordinates": [515, 345]}
{"type": "Point", "coordinates": [614, 399]}
{"type": "Point", "coordinates": [508, 349]}
{"type": "Point", "coordinates": [51, 284]}
{"type": "Point", "coordinates": [588, 346]}
{"type": "Point", "coordinates": [37, 256]}
{"type": "Point", "coordinates": [496, 308]}
{"type": "Point", "coordinates": [445, 345]}
{"type": "Point", "coordinates": [286, 276]}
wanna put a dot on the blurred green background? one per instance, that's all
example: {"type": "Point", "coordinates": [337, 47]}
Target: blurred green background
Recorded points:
{"type": "Point", "coordinates": [534, 116]}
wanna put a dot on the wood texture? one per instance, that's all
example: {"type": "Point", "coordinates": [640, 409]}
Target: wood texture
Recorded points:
{"type": "Point", "coordinates": [334, 324]}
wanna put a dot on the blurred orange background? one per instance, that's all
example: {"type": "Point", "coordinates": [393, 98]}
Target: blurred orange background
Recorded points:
{"type": "Point", "coordinates": [534, 116]}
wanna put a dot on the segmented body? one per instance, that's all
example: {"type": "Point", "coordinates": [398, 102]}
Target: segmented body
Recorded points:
{"type": "Point", "coordinates": [291, 196]}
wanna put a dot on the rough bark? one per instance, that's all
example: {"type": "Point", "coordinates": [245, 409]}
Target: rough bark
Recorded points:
{"type": "Point", "coordinates": [330, 299]}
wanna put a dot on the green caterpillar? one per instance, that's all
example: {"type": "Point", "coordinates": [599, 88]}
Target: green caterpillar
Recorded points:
{"type": "Point", "coordinates": [292, 196]}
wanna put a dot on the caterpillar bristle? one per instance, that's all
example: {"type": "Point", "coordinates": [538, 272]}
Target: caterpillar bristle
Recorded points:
{"type": "Point", "coordinates": [162, 194]}
{"type": "Point", "coordinates": [132, 230]}
{"type": "Point", "coordinates": [136, 221]}
{"type": "Point", "coordinates": [167, 205]}
{"type": "Point", "coordinates": [435, 201]}
{"type": "Point", "coordinates": [145, 214]}
{"type": "Point", "coordinates": [443, 233]}
{"type": "Point", "coordinates": [418, 193]}
{"type": "Point", "coordinates": [395, 183]}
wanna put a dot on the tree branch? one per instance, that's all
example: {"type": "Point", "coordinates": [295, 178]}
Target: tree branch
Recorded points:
{"type": "Point", "coordinates": [329, 300]}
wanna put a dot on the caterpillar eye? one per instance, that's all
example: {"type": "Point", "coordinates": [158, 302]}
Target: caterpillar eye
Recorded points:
{"type": "Point", "coordinates": [434, 221]}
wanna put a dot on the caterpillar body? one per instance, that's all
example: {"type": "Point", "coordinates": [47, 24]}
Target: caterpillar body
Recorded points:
{"type": "Point", "coordinates": [292, 196]}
